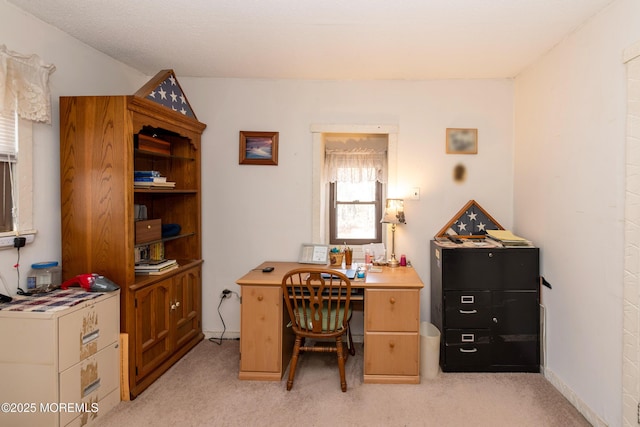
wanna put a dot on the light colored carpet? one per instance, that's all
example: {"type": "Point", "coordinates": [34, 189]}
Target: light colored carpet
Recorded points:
{"type": "Point", "coordinates": [203, 389]}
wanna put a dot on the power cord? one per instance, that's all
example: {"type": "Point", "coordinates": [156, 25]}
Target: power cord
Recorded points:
{"type": "Point", "coordinates": [224, 295]}
{"type": "Point", "coordinates": [18, 243]}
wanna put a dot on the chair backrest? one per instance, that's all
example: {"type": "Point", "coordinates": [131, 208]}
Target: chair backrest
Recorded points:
{"type": "Point", "coordinates": [318, 301]}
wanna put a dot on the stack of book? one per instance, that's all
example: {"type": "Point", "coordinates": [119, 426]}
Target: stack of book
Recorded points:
{"type": "Point", "coordinates": [507, 238]}
{"type": "Point", "coordinates": [151, 179]}
{"type": "Point", "coordinates": [156, 267]}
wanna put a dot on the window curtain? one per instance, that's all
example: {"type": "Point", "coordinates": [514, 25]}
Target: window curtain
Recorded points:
{"type": "Point", "coordinates": [24, 86]}
{"type": "Point", "coordinates": [356, 165]}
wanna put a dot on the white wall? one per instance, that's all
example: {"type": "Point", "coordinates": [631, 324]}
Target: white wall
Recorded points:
{"type": "Point", "coordinates": [569, 198]}
{"type": "Point", "coordinates": [258, 213]}
{"type": "Point", "coordinates": [80, 70]}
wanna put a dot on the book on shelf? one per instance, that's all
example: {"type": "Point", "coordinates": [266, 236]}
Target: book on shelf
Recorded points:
{"type": "Point", "coordinates": [155, 265]}
{"type": "Point", "coordinates": [146, 173]}
{"type": "Point", "coordinates": [149, 179]}
{"type": "Point", "coordinates": [143, 184]}
{"type": "Point", "coordinates": [159, 272]}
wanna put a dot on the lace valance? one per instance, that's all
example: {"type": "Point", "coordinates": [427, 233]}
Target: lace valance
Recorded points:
{"type": "Point", "coordinates": [24, 86]}
{"type": "Point", "coordinates": [355, 165]}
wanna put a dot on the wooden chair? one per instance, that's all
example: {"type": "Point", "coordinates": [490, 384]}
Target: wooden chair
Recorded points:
{"type": "Point", "coordinates": [318, 301]}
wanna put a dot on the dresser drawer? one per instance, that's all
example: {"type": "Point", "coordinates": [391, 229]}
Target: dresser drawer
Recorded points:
{"type": "Point", "coordinates": [467, 309]}
{"type": "Point", "coordinates": [391, 354]}
{"type": "Point", "coordinates": [85, 332]}
{"type": "Point", "coordinates": [90, 381]}
{"type": "Point", "coordinates": [392, 310]}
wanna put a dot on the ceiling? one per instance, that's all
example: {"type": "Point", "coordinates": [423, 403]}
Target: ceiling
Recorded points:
{"type": "Point", "coordinates": [321, 39]}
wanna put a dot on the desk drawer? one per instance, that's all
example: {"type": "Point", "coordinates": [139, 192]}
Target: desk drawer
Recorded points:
{"type": "Point", "coordinates": [392, 310]}
{"type": "Point", "coordinates": [391, 354]}
{"type": "Point", "coordinates": [85, 332]}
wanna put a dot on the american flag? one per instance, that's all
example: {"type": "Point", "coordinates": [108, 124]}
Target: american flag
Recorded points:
{"type": "Point", "coordinates": [473, 221]}
{"type": "Point", "coordinates": [170, 95]}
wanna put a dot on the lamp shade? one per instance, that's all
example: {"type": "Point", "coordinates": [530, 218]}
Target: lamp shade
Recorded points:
{"type": "Point", "coordinates": [394, 212]}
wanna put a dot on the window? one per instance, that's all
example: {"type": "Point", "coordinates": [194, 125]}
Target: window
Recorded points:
{"type": "Point", "coordinates": [355, 168]}
{"type": "Point", "coordinates": [26, 98]}
{"type": "Point", "coordinates": [8, 158]}
{"type": "Point", "coordinates": [16, 176]}
{"type": "Point", "coordinates": [356, 209]}
{"type": "Point", "coordinates": [322, 136]}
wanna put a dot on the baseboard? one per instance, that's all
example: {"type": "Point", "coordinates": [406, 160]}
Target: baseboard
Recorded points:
{"type": "Point", "coordinates": [572, 397]}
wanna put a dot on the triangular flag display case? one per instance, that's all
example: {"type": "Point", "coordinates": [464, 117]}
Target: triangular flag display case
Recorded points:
{"type": "Point", "coordinates": [164, 89]}
{"type": "Point", "coordinates": [471, 222]}
{"type": "Point", "coordinates": [103, 141]}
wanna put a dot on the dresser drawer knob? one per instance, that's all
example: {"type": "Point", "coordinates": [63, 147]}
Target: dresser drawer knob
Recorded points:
{"type": "Point", "coordinates": [392, 300]}
{"type": "Point", "coordinates": [495, 320]}
{"type": "Point", "coordinates": [490, 254]}
{"type": "Point", "coordinates": [260, 297]}
{"type": "Point", "coordinates": [392, 345]}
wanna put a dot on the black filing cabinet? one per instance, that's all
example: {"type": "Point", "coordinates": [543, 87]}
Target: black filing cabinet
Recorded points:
{"type": "Point", "coordinates": [486, 303]}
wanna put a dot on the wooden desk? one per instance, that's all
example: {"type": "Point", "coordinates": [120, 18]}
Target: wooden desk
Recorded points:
{"type": "Point", "coordinates": [391, 324]}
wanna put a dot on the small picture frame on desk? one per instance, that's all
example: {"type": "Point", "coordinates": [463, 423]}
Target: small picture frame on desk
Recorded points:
{"type": "Point", "coordinates": [314, 254]}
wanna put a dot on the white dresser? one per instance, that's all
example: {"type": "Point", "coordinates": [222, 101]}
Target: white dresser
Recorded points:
{"type": "Point", "coordinates": [60, 366]}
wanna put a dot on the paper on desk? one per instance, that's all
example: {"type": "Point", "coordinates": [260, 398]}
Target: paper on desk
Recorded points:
{"type": "Point", "coordinates": [504, 235]}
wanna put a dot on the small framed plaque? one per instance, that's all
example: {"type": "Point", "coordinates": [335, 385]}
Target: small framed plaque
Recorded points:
{"type": "Point", "coordinates": [314, 254]}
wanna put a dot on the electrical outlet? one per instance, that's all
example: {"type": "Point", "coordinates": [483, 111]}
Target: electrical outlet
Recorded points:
{"type": "Point", "coordinates": [8, 242]}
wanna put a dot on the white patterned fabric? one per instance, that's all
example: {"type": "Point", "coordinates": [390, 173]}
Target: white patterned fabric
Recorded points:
{"type": "Point", "coordinates": [24, 86]}
{"type": "Point", "coordinates": [355, 166]}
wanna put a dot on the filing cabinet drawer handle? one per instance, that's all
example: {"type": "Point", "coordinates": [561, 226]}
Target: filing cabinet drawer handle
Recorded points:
{"type": "Point", "coordinates": [468, 338]}
{"type": "Point", "coordinates": [468, 311]}
{"type": "Point", "coordinates": [471, 350]}
{"type": "Point", "coordinates": [91, 388]}
{"type": "Point", "coordinates": [91, 336]}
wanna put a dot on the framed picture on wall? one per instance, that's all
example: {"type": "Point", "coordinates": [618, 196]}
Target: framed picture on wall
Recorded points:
{"type": "Point", "coordinates": [258, 148]}
{"type": "Point", "coordinates": [462, 141]}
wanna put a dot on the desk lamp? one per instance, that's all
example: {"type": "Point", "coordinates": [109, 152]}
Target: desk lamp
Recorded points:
{"type": "Point", "coordinates": [393, 214]}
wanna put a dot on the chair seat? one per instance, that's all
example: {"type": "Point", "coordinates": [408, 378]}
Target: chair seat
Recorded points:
{"type": "Point", "coordinates": [327, 318]}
